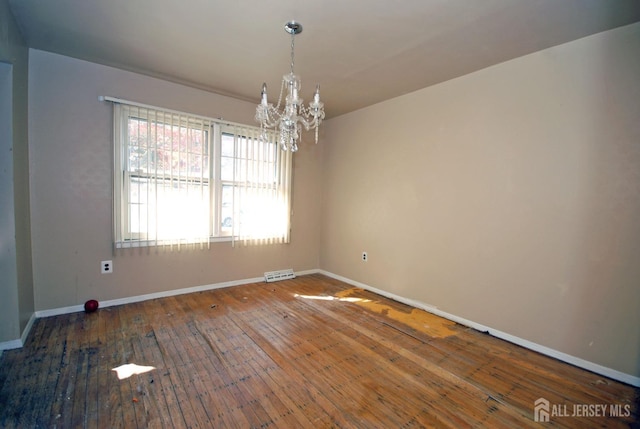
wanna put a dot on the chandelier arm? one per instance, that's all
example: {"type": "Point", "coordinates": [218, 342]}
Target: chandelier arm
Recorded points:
{"type": "Point", "coordinates": [269, 123]}
{"type": "Point", "coordinates": [305, 123]}
{"type": "Point", "coordinates": [282, 85]}
{"type": "Point", "coordinates": [315, 115]}
{"type": "Point", "coordinates": [313, 123]}
{"type": "Point", "coordinates": [267, 115]}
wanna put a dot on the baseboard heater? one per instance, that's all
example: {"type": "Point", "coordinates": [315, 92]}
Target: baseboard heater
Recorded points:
{"type": "Point", "coordinates": [274, 276]}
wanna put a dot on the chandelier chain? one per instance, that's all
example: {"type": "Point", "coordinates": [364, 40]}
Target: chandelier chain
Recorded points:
{"type": "Point", "coordinates": [293, 38]}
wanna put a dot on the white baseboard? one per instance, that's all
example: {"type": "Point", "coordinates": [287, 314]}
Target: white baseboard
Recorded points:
{"type": "Point", "coordinates": [174, 292]}
{"type": "Point", "coordinates": [10, 345]}
{"type": "Point", "coordinates": [573, 360]}
{"type": "Point", "coordinates": [16, 344]}
{"type": "Point", "coordinates": [139, 298]}
{"type": "Point", "coordinates": [27, 329]}
{"type": "Point", "coordinates": [307, 272]}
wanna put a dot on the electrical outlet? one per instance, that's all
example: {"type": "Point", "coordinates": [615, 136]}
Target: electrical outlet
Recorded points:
{"type": "Point", "coordinates": [106, 267]}
{"type": "Point", "coordinates": [365, 257]}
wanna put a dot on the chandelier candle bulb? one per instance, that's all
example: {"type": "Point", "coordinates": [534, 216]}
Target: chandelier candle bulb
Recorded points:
{"type": "Point", "coordinates": [264, 94]}
{"type": "Point", "coordinates": [316, 96]}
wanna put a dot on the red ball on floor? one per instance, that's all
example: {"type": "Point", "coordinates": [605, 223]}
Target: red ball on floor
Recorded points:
{"type": "Point", "coordinates": [91, 306]}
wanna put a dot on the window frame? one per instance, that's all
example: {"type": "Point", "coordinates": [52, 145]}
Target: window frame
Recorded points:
{"type": "Point", "coordinates": [214, 129]}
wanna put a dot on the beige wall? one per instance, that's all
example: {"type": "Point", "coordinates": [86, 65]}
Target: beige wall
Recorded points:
{"type": "Point", "coordinates": [16, 280]}
{"type": "Point", "coordinates": [509, 197]}
{"type": "Point", "coordinates": [70, 143]}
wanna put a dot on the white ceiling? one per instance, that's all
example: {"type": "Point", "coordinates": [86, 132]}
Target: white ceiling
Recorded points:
{"type": "Point", "coordinates": [360, 51]}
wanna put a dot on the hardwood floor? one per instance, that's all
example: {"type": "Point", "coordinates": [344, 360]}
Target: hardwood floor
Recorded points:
{"type": "Point", "coordinates": [311, 352]}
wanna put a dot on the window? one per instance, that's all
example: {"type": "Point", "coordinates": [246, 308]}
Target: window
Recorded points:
{"type": "Point", "coordinates": [182, 179]}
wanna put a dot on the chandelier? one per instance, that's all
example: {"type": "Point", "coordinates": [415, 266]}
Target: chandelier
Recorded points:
{"type": "Point", "coordinates": [289, 121]}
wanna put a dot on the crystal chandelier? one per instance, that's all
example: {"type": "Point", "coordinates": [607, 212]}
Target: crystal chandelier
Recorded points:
{"type": "Point", "coordinates": [288, 122]}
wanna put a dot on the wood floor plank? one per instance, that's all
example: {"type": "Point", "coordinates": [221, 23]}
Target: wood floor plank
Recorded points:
{"type": "Point", "coordinates": [233, 345]}
{"type": "Point", "coordinates": [454, 419]}
{"type": "Point", "coordinates": [67, 383]}
{"type": "Point", "coordinates": [307, 353]}
{"type": "Point", "coordinates": [133, 414]}
{"type": "Point", "coordinates": [147, 396]}
{"type": "Point", "coordinates": [78, 399]}
{"type": "Point", "coordinates": [278, 380]}
{"type": "Point", "coordinates": [222, 354]}
{"type": "Point", "coordinates": [312, 400]}
{"type": "Point", "coordinates": [111, 411]}
{"type": "Point", "coordinates": [22, 368]}
{"type": "Point", "coordinates": [179, 371]}
{"type": "Point", "coordinates": [48, 372]}
{"type": "Point", "coordinates": [159, 381]}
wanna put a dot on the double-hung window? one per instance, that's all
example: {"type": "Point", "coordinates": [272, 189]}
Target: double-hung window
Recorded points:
{"type": "Point", "coordinates": [183, 179]}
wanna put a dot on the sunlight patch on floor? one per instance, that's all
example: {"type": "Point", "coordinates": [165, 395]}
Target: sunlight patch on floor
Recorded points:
{"type": "Point", "coordinates": [331, 298]}
{"type": "Point", "coordinates": [129, 369]}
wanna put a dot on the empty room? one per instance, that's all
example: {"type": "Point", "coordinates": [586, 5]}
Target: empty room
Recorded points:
{"type": "Point", "coordinates": [337, 214]}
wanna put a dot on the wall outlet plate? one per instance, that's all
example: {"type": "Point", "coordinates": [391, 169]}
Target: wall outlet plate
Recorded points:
{"type": "Point", "coordinates": [106, 267]}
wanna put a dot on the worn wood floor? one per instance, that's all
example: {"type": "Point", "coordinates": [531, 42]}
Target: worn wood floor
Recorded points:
{"type": "Point", "coordinates": [305, 353]}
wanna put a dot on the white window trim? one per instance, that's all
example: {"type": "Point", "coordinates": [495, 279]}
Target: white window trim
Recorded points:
{"type": "Point", "coordinates": [216, 128]}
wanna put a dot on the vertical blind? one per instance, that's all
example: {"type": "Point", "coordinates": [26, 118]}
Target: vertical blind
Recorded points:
{"type": "Point", "coordinates": [182, 179]}
{"type": "Point", "coordinates": [261, 180]}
